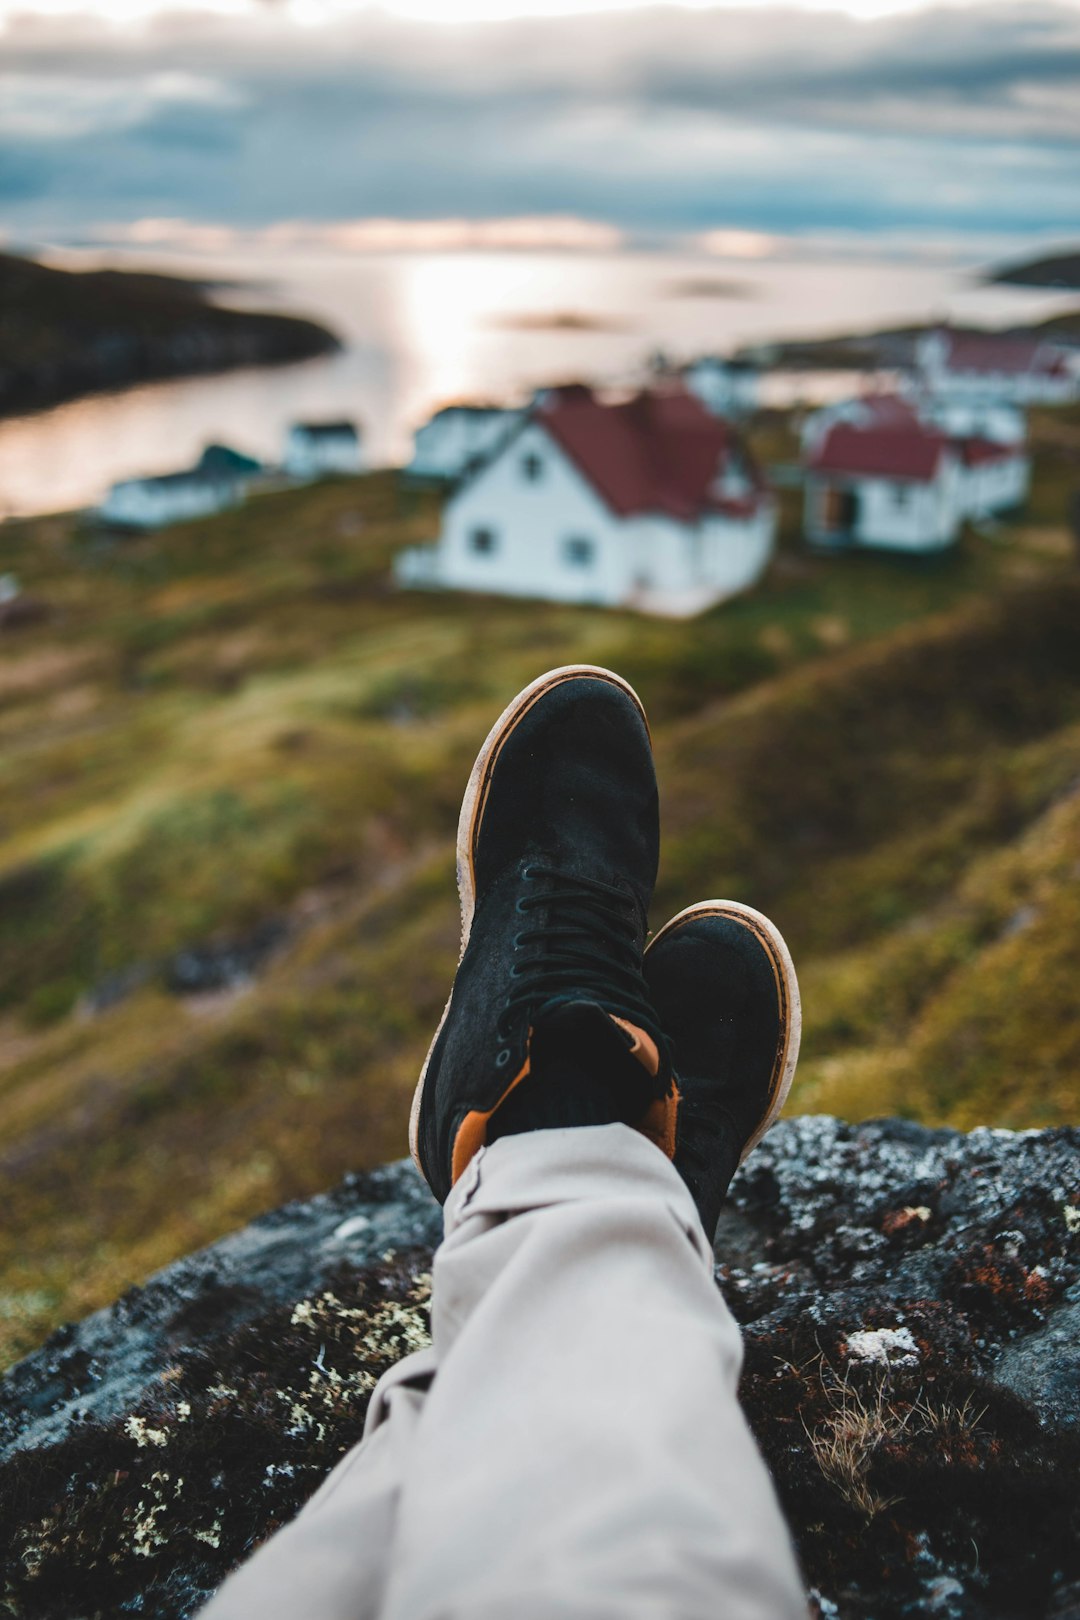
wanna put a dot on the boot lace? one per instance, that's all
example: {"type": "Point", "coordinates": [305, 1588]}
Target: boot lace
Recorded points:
{"type": "Point", "coordinates": [586, 948]}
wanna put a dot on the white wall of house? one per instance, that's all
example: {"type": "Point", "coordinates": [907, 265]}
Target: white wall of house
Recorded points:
{"type": "Point", "coordinates": [548, 535]}
{"type": "Point", "coordinates": [150, 503]}
{"type": "Point", "coordinates": [314, 455]}
{"type": "Point", "coordinates": [452, 441]}
{"type": "Point", "coordinates": [997, 486]}
{"type": "Point", "coordinates": [682, 569]}
{"type": "Point", "coordinates": [894, 514]}
{"type": "Point", "coordinates": [529, 524]}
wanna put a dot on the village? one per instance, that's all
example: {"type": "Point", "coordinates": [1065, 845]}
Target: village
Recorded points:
{"type": "Point", "coordinates": [651, 498]}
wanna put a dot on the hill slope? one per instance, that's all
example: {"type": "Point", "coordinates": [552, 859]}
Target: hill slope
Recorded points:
{"type": "Point", "coordinates": [65, 333]}
{"type": "Point", "coordinates": [234, 759]}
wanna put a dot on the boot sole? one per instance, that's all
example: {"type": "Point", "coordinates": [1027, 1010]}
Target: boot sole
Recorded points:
{"type": "Point", "coordinates": [787, 988]}
{"type": "Point", "coordinates": [472, 811]}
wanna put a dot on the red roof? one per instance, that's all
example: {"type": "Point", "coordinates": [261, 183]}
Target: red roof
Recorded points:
{"type": "Point", "coordinates": [995, 352]}
{"type": "Point", "coordinates": [889, 410]}
{"type": "Point", "coordinates": [905, 451]}
{"type": "Point", "coordinates": [978, 451]}
{"type": "Point", "coordinates": [659, 452]}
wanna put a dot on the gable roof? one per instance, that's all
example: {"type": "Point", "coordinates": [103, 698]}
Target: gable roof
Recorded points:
{"type": "Point", "coordinates": [977, 451]}
{"type": "Point", "coordinates": [903, 451]}
{"type": "Point", "coordinates": [465, 407]}
{"type": "Point", "coordinates": [222, 460]}
{"type": "Point", "coordinates": [325, 430]}
{"type": "Point", "coordinates": [661, 451]}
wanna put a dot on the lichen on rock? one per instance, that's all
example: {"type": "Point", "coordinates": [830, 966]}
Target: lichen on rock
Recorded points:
{"type": "Point", "coordinates": [909, 1298]}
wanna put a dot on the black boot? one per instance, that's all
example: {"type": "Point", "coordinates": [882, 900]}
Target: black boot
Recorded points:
{"type": "Point", "coordinates": [725, 992]}
{"type": "Point", "coordinates": [549, 1022]}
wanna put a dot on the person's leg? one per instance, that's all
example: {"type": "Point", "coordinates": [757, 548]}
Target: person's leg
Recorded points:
{"type": "Point", "coordinates": [582, 1451]}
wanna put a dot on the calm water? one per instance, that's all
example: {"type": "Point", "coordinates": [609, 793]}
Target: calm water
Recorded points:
{"type": "Point", "coordinates": [422, 329]}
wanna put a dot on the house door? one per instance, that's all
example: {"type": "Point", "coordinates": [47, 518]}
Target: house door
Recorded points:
{"type": "Point", "coordinates": [840, 512]}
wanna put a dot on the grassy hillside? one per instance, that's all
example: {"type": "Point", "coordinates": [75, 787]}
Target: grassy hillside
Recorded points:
{"type": "Point", "coordinates": [237, 734]}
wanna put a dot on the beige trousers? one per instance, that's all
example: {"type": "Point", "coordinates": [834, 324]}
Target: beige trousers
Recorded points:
{"type": "Point", "coordinates": [572, 1445]}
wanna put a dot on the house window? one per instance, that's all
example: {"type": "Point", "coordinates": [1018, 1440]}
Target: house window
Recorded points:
{"type": "Point", "coordinates": [904, 493]}
{"type": "Point", "coordinates": [578, 552]}
{"type": "Point", "coordinates": [532, 468]}
{"type": "Point", "coordinates": [482, 541]}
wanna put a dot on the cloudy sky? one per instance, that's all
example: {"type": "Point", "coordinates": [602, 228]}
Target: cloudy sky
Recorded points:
{"type": "Point", "coordinates": [589, 120]}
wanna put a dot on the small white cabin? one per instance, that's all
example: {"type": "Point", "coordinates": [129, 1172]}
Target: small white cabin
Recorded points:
{"type": "Point", "coordinates": [896, 488]}
{"type": "Point", "coordinates": [994, 420]}
{"type": "Point", "coordinates": [650, 503]}
{"type": "Point", "coordinates": [457, 439]}
{"type": "Point", "coordinates": [1015, 370]}
{"type": "Point", "coordinates": [322, 449]}
{"type": "Point", "coordinates": [152, 503]}
{"type": "Point", "coordinates": [727, 388]}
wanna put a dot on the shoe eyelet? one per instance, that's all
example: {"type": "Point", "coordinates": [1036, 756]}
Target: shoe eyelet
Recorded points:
{"type": "Point", "coordinates": [503, 1058]}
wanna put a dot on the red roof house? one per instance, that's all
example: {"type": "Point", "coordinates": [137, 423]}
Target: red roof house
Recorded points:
{"type": "Point", "coordinates": [895, 483]}
{"type": "Point", "coordinates": [1016, 368]}
{"type": "Point", "coordinates": [649, 502]}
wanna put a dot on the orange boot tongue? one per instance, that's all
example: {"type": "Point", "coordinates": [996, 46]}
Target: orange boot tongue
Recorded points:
{"type": "Point", "coordinates": [585, 1068]}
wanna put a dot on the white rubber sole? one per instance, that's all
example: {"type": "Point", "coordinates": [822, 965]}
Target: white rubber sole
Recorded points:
{"type": "Point", "coordinates": [472, 811]}
{"type": "Point", "coordinates": [787, 986]}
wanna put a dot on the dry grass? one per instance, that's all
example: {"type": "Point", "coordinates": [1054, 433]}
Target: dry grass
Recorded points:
{"type": "Point", "coordinates": [250, 725]}
{"type": "Point", "coordinates": [862, 1424]}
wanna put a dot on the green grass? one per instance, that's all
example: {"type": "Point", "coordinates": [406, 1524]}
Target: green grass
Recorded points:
{"type": "Point", "coordinates": [240, 720]}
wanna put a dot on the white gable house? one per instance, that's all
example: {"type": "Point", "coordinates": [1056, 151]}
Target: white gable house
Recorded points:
{"type": "Point", "coordinates": [322, 449]}
{"type": "Point", "coordinates": [1014, 369]}
{"type": "Point", "coordinates": [898, 487]}
{"type": "Point", "coordinates": [457, 440]}
{"type": "Point", "coordinates": [221, 478]}
{"type": "Point", "coordinates": [651, 504]}
{"type": "Point", "coordinates": [903, 472]}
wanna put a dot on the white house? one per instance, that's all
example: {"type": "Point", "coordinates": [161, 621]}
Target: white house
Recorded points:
{"type": "Point", "coordinates": [651, 503]}
{"type": "Point", "coordinates": [457, 439]}
{"type": "Point", "coordinates": [727, 388]}
{"type": "Point", "coordinates": [221, 478]}
{"type": "Point", "coordinates": [321, 449]}
{"type": "Point", "coordinates": [899, 487]}
{"type": "Point", "coordinates": [1015, 370]}
{"type": "Point", "coordinates": [992, 419]}
{"type": "Point", "coordinates": [151, 503]}
{"type": "Point", "coordinates": [886, 432]}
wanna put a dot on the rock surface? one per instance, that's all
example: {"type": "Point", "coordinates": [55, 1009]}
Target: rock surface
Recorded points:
{"type": "Point", "coordinates": [910, 1300]}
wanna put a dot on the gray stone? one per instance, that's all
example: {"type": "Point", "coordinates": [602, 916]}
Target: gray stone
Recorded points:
{"type": "Point", "coordinates": [912, 1292]}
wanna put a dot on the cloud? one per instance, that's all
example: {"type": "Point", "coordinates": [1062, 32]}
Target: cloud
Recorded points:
{"type": "Point", "coordinates": [755, 120]}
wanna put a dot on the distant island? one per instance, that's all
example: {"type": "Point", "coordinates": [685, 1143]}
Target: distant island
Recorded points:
{"type": "Point", "coordinates": [1059, 271]}
{"type": "Point", "coordinates": [67, 333]}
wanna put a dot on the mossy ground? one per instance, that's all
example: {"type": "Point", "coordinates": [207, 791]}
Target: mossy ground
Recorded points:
{"type": "Point", "coordinates": [240, 721]}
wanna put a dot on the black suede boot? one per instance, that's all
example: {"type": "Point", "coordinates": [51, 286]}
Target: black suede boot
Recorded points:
{"type": "Point", "coordinates": [549, 1022]}
{"type": "Point", "coordinates": [723, 985]}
